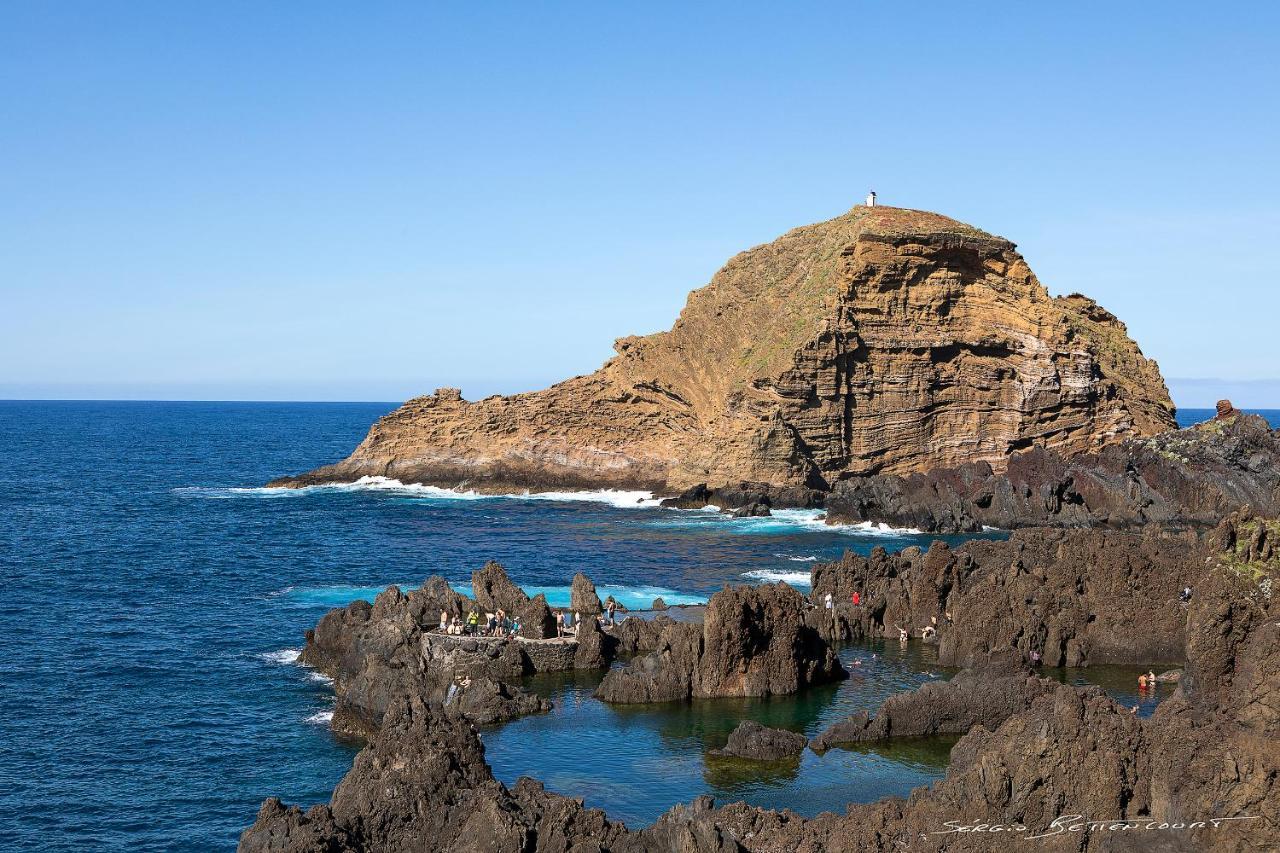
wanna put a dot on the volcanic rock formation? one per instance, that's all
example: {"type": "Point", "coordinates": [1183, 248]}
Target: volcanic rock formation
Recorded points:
{"type": "Point", "coordinates": [1191, 476]}
{"type": "Point", "coordinates": [753, 641]}
{"type": "Point", "coordinates": [885, 340]}
{"type": "Point", "coordinates": [1073, 596]}
{"type": "Point", "coordinates": [983, 696]}
{"type": "Point", "coordinates": [755, 742]}
{"type": "Point", "coordinates": [1074, 771]}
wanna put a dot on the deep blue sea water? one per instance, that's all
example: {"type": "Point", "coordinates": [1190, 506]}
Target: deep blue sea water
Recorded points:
{"type": "Point", "coordinates": [153, 593]}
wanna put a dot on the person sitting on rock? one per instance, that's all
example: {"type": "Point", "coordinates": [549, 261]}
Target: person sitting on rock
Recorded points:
{"type": "Point", "coordinates": [455, 627]}
{"type": "Point", "coordinates": [515, 627]}
{"type": "Point", "coordinates": [855, 598]}
{"type": "Point", "coordinates": [1185, 596]}
{"type": "Point", "coordinates": [1035, 658]}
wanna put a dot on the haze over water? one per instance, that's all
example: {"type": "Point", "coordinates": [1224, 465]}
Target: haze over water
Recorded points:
{"type": "Point", "coordinates": [156, 593]}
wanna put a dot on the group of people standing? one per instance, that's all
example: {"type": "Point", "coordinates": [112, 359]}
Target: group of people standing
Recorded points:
{"type": "Point", "coordinates": [499, 624]}
{"type": "Point", "coordinates": [568, 622]}
{"type": "Point", "coordinates": [493, 625]}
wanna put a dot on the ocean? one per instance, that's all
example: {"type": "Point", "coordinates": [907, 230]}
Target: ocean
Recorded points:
{"type": "Point", "coordinates": [156, 598]}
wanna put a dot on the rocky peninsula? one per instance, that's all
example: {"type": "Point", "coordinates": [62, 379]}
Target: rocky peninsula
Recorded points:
{"type": "Point", "coordinates": [885, 341]}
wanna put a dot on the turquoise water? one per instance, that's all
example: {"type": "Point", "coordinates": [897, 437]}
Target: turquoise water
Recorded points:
{"type": "Point", "coordinates": [636, 762]}
{"type": "Point", "coordinates": [156, 595]}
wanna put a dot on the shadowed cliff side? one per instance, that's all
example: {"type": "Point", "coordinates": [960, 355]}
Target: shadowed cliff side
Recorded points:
{"type": "Point", "coordinates": [885, 340]}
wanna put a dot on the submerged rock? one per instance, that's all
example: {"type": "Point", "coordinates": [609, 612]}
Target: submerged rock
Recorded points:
{"type": "Point", "coordinates": [758, 743]}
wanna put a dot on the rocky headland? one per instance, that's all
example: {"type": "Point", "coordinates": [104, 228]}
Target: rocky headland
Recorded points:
{"type": "Point", "coordinates": [1041, 761]}
{"type": "Point", "coordinates": [884, 341]}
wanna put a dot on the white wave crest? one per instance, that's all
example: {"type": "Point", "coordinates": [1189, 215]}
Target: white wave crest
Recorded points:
{"type": "Point", "coordinates": [320, 718]}
{"type": "Point", "coordinates": [797, 558]}
{"type": "Point", "coordinates": [613, 497]}
{"type": "Point", "coordinates": [774, 575]}
{"type": "Point", "coordinates": [283, 656]}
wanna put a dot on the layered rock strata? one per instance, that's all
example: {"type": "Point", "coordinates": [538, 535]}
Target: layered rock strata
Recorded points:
{"type": "Point", "coordinates": [885, 340]}
{"type": "Point", "coordinates": [753, 641]}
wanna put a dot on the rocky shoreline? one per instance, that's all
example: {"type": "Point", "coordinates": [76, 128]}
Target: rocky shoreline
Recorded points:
{"type": "Point", "coordinates": [1033, 749]}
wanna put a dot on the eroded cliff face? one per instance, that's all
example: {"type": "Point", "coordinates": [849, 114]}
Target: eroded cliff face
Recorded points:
{"type": "Point", "coordinates": [882, 341]}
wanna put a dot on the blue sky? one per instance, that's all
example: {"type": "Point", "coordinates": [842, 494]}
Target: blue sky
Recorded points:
{"type": "Point", "coordinates": [337, 201]}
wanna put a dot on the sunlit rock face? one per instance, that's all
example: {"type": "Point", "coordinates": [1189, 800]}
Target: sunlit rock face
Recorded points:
{"type": "Point", "coordinates": [882, 341]}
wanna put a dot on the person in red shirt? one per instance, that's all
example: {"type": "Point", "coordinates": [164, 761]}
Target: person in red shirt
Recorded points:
{"type": "Point", "coordinates": [857, 599]}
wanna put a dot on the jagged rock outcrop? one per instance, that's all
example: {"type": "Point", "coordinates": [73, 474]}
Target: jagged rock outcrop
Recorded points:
{"type": "Point", "coordinates": [494, 591]}
{"type": "Point", "coordinates": [582, 596]}
{"type": "Point", "coordinates": [1073, 771]}
{"type": "Point", "coordinates": [885, 340]}
{"type": "Point", "coordinates": [378, 653]}
{"type": "Point", "coordinates": [1206, 754]}
{"type": "Point", "coordinates": [1076, 597]}
{"type": "Point", "coordinates": [1192, 476]}
{"type": "Point", "coordinates": [755, 742]}
{"type": "Point", "coordinates": [753, 641]}
{"type": "Point", "coordinates": [986, 696]}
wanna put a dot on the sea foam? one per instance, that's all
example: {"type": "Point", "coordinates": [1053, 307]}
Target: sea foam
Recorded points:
{"type": "Point", "coordinates": [794, 578]}
{"type": "Point", "coordinates": [614, 497]}
{"type": "Point", "coordinates": [283, 656]}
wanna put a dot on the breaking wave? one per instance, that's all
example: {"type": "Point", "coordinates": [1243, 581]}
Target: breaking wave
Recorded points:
{"type": "Point", "coordinates": [283, 656]}
{"type": "Point", "coordinates": [782, 521]}
{"type": "Point", "coordinates": [613, 497]}
{"type": "Point", "coordinates": [795, 578]}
